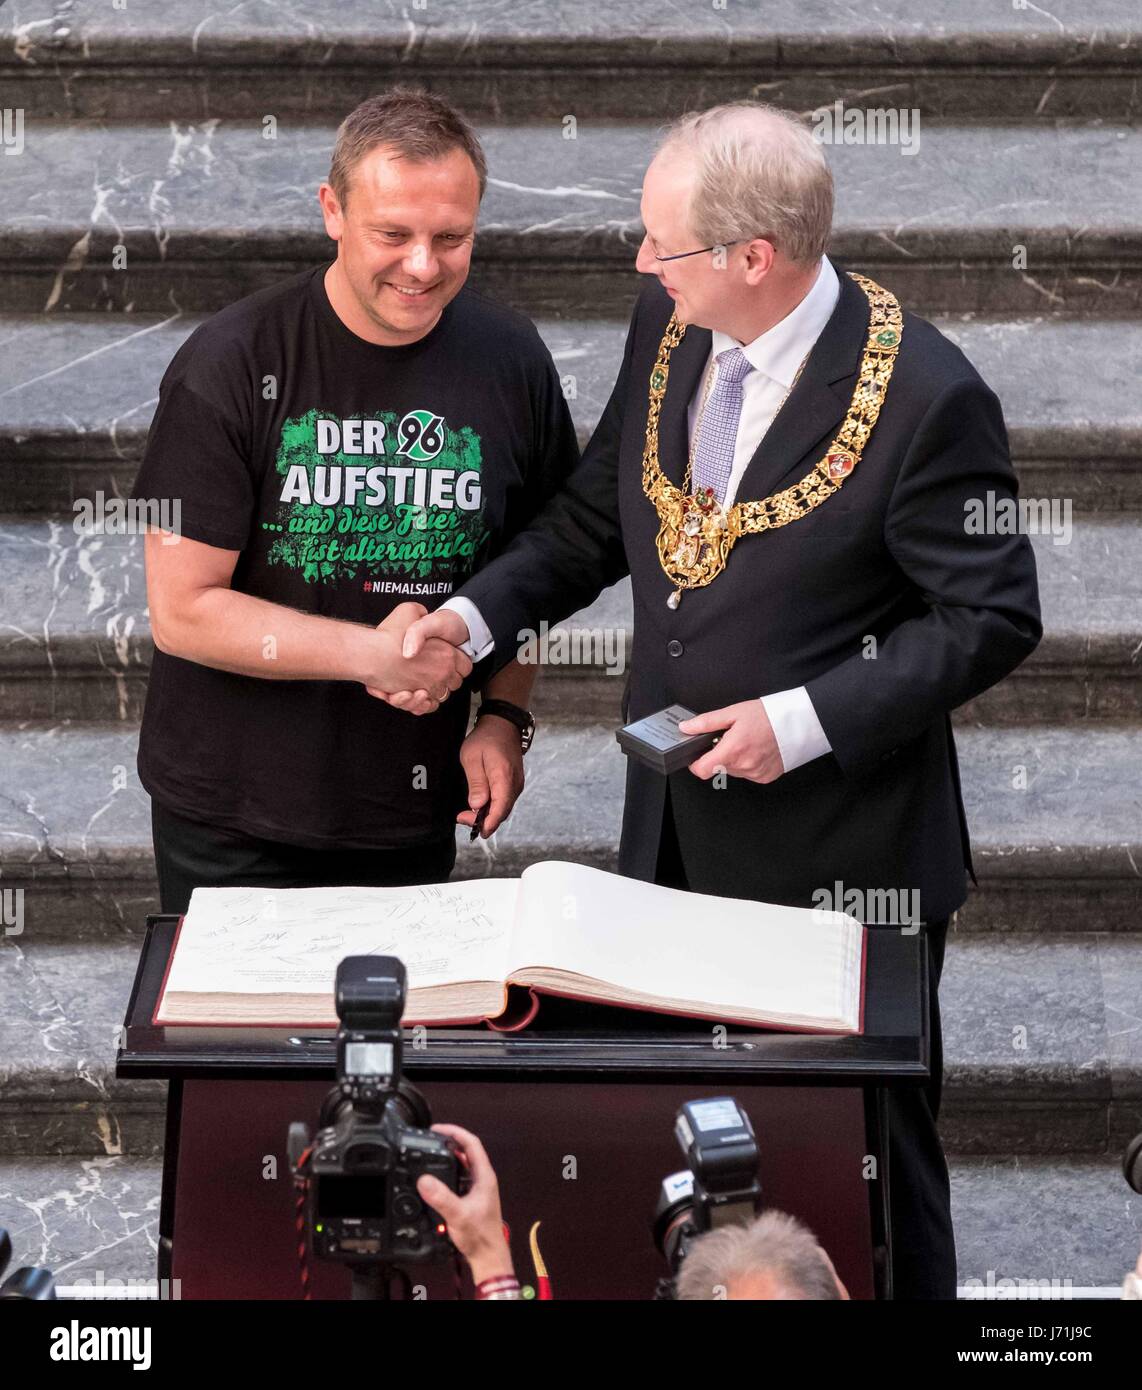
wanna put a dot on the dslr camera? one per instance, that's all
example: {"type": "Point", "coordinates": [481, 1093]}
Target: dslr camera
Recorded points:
{"type": "Point", "coordinates": [373, 1139]}
{"type": "Point", "coordinates": [718, 1187]}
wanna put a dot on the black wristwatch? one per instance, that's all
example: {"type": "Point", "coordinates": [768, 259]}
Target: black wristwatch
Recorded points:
{"type": "Point", "coordinates": [523, 719]}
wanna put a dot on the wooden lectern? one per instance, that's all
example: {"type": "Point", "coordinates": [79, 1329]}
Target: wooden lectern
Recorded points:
{"type": "Point", "coordinates": [577, 1113]}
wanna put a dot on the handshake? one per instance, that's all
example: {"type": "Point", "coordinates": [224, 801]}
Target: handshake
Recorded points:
{"type": "Point", "coordinates": [413, 662]}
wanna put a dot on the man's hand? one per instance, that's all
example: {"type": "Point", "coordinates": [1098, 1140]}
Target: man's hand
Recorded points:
{"type": "Point", "coordinates": [747, 749]}
{"type": "Point", "coordinates": [411, 701]}
{"type": "Point", "coordinates": [475, 1221]}
{"type": "Point", "coordinates": [492, 759]}
{"type": "Point", "coordinates": [425, 680]}
{"type": "Point", "coordinates": [444, 623]}
{"type": "Point", "coordinates": [424, 626]}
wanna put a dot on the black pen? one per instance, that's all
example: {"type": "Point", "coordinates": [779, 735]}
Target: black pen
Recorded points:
{"type": "Point", "coordinates": [478, 823]}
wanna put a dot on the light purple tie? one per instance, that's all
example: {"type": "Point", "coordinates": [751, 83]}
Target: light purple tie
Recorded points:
{"type": "Point", "coordinates": [718, 433]}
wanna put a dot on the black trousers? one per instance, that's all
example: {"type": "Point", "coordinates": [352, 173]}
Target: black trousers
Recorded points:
{"type": "Point", "coordinates": [190, 854]}
{"type": "Point", "coordinates": [923, 1244]}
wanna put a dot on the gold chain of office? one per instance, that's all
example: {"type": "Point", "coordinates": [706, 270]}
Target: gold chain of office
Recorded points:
{"type": "Point", "coordinates": [696, 534]}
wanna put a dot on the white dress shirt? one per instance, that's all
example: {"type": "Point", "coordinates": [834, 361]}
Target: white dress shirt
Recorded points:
{"type": "Point", "coordinates": [775, 356]}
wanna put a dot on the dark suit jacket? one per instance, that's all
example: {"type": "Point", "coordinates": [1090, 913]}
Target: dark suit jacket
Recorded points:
{"type": "Point", "coordinates": [887, 556]}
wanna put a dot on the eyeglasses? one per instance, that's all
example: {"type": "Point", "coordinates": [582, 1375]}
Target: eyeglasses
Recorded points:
{"type": "Point", "coordinates": [681, 256]}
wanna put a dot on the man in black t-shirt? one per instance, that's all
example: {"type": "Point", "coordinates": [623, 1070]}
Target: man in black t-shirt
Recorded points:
{"type": "Point", "coordinates": [342, 450]}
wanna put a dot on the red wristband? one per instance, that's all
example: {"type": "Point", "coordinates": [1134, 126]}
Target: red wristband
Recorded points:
{"type": "Point", "coordinates": [498, 1284]}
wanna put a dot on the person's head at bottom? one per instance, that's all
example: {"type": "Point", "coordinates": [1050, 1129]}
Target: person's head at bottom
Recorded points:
{"type": "Point", "coordinates": [774, 1257]}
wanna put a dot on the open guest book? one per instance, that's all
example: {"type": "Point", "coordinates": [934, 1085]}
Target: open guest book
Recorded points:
{"type": "Point", "coordinates": [267, 957]}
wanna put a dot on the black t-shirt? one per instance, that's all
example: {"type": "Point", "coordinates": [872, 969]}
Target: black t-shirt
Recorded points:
{"type": "Point", "coordinates": [353, 478]}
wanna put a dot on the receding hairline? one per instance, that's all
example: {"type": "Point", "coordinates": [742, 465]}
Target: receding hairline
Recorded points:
{"type": "Point", "coordinates": [408, 124]}
{"type": "Point", "coordinates": [395, 153]}
{"type": "Point", "coordinates": [756, 167]}
{"type": "Point", "coordinates": [740, 120]}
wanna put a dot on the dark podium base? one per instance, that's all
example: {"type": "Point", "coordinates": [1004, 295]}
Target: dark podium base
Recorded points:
{"type": "Point", "coordinates": [585, 1159]}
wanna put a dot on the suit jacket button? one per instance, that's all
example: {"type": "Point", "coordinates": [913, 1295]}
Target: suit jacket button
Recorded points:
{"type": "Point", "coordinates": [674, 647]}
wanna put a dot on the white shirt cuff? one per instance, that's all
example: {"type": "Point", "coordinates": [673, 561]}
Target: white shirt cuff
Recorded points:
{"type": "Point", "coordinates": [796, 727]}
{"type": "Point", "coordinates": [480, 640]}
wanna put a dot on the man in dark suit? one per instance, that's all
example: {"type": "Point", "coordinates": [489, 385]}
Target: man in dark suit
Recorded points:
{"type": "Point", "coordinates": [854, 612]}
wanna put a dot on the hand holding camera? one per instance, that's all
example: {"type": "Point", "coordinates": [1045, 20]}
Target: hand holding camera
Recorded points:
{"type": "Point", "coordinates": [474, 1220]}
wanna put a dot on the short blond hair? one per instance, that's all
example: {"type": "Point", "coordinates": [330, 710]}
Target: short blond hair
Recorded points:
{"type": "Point", "coordinates": [758, 172]}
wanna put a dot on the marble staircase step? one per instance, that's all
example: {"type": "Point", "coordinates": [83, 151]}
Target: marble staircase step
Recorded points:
{"type": "Point", "coordinates": [75, 639]}
{"type": "Point", "coordinates": [77, 393]}
{"type": "Point", "coordinates": [159, 218]}
{"type": "Point", "coordinates": [1042, 1048]}
{"type": "Point", "coordinates": [184, 61]}
{"type": "Point", "coordinates": [1055, 814]}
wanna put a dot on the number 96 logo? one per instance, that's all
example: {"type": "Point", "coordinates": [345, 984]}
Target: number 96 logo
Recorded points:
{"type": "Point", "coordinates": [421, 435]}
